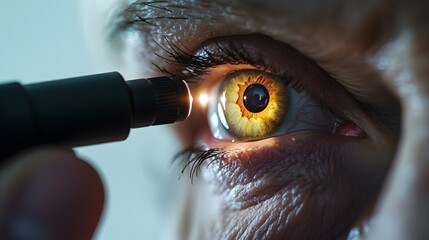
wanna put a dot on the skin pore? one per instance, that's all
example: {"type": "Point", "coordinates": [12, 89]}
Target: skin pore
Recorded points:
{"type": "Point", "coordinates": [302, 185]}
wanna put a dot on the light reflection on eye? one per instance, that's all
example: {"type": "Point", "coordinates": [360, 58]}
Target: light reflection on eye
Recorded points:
{"type": "Point", "coordinates": [250, 105]}
{"type": "Point", "coordinates": [204, 99]}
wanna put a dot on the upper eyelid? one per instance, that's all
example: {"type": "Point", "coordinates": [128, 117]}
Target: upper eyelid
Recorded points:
{"type": "Point", "coordinates": [214, 52]}
{"type": "Point", "coordinates": [180, 59]}
{"type": "Point", "coordinates": [192, 67]}
{"type": "Point", "coordinates": [286, 62]}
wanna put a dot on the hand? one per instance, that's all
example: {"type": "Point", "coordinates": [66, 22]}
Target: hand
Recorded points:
{"type": "Point", "coordinates": [49, 194]}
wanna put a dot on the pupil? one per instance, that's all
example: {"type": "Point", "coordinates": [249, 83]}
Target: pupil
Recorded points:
{"type": "Point", "coordinates": [256, 98]}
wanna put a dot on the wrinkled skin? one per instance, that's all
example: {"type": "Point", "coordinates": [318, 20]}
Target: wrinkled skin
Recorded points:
{"type": "Point", "coordinates": [319, 186]}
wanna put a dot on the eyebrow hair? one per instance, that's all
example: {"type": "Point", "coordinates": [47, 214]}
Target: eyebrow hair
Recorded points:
{"type": "Point", "coordinates": [160, 18]}
{"type": "Point", "coordinates": [147, 14]}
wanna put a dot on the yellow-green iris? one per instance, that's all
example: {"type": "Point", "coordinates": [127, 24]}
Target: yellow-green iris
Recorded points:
{"type": "Point", "coordinates": [253, 120]}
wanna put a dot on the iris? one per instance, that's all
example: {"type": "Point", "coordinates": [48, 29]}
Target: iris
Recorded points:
{"type": "Point", "coordinates": [253, 102]}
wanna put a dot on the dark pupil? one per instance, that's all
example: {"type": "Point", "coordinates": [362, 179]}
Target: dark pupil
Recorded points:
{"type": "Point", "coordinates": [256, 98]}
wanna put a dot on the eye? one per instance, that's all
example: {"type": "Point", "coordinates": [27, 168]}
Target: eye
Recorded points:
{"type": "Point", "coordinates": [249, 105]}
{"type": "Point", "coordinates": [307, 98]}
{"type": "Point", "coordinates": [308, 148]}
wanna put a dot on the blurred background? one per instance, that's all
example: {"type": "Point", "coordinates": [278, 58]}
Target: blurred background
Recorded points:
{"type": "Point", "coordinates": [43, 40]}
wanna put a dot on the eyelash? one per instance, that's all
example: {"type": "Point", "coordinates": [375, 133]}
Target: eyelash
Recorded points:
{"type": "Point", "coordinates": [192, 68]}
{"type": "Point", "coordinates": [194, 157]}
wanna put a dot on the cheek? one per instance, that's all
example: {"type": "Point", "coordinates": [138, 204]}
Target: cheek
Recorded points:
{"type": "Point", "coordinates": [304, 209]}
{"type": "Point", "coordinates": [313, 190]}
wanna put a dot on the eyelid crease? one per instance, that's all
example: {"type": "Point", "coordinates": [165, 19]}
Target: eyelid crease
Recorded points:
{"type": "Point", "coordinates": [193, 67]}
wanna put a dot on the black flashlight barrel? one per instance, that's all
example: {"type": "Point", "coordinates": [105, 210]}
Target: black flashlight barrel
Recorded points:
{"type": "Point", "coordinates": [86, 110]}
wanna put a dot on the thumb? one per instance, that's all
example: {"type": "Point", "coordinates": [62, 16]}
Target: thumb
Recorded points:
{"type": "Point", "coordinates": [49, 194]}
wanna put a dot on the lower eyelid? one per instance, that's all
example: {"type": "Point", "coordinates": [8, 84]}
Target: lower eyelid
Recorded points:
{"type": "Point", "coordinates": [277, 161]}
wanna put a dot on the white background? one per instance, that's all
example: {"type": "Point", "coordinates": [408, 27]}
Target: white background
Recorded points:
{"type": "Point", "coordinates": [43, 40]}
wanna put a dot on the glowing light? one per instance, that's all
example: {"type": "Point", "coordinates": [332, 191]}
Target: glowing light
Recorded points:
{"type": "Point", "coordinates": [204, 99]}
{"type": "Point", "coordinates": [223, 100]}
{"type": "Point", "coordinates": [221, 115]}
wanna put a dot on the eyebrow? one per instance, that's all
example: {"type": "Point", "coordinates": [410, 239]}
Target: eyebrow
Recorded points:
{"type": "Point", "coordinates": [147, 14]}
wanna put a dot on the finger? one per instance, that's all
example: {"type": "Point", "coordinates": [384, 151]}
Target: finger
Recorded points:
{"type": "Point", "coordinates": [49, 194]}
